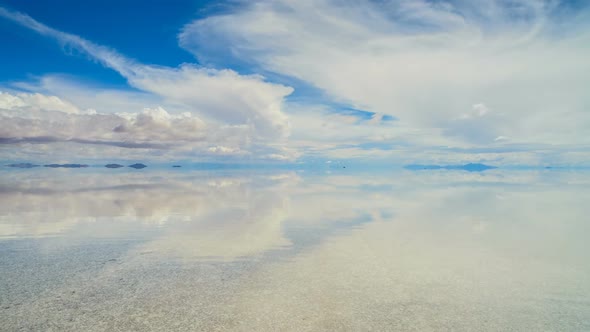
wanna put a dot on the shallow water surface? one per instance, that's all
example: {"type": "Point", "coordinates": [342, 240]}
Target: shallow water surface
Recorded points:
{"type": "Point", "coordinates": [90, 250]}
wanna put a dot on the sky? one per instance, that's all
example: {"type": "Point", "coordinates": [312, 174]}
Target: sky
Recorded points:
{"type": "Point", "coordinates": [503, 82]}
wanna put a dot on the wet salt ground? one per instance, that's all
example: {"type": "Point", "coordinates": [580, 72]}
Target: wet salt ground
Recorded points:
{"type": "Point", "coordinates": [288, 252]}
{"type": "Point", "coordinates": [121, 295]}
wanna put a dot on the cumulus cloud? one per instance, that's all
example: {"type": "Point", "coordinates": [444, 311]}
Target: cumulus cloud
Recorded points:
{"type": "Point", "coordinates": [222, 150]}
{"type": "Point", "coordinates": [155, 131]}
{"type": "Point", "coordinates": [151, 128]}
{"type": "Point", "coordinates": [221, 95]}
{"type": "Point", "coordinates": [424, 62]}
{"type": "Point", "coordinates": [86, 95]}
{"type": "Point", "coordinates": [35, 101]}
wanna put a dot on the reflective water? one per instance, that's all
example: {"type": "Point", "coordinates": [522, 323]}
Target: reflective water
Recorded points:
{"type": "Point", "coordinates": [104, 250]}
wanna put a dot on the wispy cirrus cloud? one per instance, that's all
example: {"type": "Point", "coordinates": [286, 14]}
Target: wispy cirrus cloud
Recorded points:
{"type": "Point", "coordinates": [425, 62]}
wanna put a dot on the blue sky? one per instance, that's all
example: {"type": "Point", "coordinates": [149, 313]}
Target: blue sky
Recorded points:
{"type": "Point", "coordinates": [390, 81]}
{"type": "Point", "coordinates": [143, 30]}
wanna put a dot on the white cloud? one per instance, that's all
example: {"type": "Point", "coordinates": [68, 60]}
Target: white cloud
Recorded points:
{"type": "Point", "coordinates": [151, 128]}
{"type": "Point", "coordinates": [28, 130]}
{"type": "Point", "coordinates": [222, 150]}
{"type": "Point", "coordinates": [35, 101]}
{"type": "Point", "coordinates": [454, 74]}
{"type": "Point", "coordinates": [220, 95]}
{"type": "Point", "coordinates": [478, 110]}
{"type": "Point", "coordinates": [424, 62]}
{"type": "Point", "coordinates": [88, 96]}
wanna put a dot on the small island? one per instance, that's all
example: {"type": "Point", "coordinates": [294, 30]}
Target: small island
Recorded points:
{"type": "Point", "coordinates": [138, 166]}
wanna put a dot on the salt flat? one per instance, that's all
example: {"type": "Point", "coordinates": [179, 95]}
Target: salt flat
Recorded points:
{"type": "Point", "coordinates": [245, 250]}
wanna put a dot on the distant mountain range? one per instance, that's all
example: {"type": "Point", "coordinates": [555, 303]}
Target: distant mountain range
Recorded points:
{"type": "Point", "coordinates": [29, 165]}
{"type": "Point", "coordinates": [471, 167]}
{"type": "Point", "coordinates": [23, 165]}
{"type": "Point", "coordinates": [66, 165]}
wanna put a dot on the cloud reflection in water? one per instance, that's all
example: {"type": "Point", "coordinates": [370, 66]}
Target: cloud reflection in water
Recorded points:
{"type": "Point", "coordinates": [219, 251]}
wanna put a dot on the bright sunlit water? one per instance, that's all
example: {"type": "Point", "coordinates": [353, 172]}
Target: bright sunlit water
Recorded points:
{"type": "Point", "coordinates": [246, 250]}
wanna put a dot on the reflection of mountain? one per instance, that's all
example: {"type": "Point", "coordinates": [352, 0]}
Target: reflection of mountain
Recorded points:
{"type": "Point", "coordinates": [66, 165]}
{"type": "Point", "coordinates": [22, 165]}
